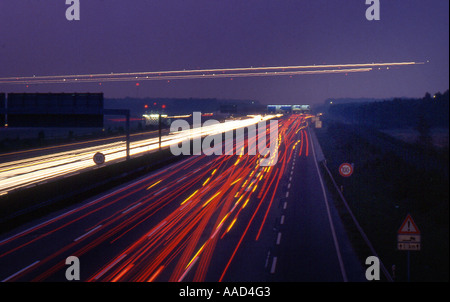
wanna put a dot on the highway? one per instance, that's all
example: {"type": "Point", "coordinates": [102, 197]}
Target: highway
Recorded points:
{"type": "Point", "coordinates": [205, 218]}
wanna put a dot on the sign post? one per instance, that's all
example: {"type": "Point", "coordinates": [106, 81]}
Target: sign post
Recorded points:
{"type": "Point", "coordinates": [408, 239]}
{"type": "Point", "coordinates": [126, 113]}
{"type": "Point", "coordinates": [159, 131]}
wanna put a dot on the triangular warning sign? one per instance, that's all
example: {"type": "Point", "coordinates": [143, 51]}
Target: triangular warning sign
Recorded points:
{"type": "Point", "coordinates": [408, 226]}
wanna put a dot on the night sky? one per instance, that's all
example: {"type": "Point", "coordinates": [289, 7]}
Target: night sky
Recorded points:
{"type": "Point", "coordinates": [156, 35]}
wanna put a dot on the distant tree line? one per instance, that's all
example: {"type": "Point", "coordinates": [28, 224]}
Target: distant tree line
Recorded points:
{"type": "Point", "coordinates": [428, 112]}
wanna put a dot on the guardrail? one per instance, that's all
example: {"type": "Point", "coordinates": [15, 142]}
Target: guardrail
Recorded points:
{"type": "Point", "coordinates": [358, 226]}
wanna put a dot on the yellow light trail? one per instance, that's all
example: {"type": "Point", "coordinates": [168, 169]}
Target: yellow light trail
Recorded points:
{"type": "Point", "coordinates": [196, 254]}
{"type": "Point", "coordinates": [231, 225]}
{"type": "Point", "coordinates": [189, 197]}
{"type": "Point", "coordinates": [243, 206]}
{"type": "Point", "coordinates": [154, 184]}
{"type": "Point", "coordinates": [206, 181]}
{"type": "Point", "coordinates": [209, 200]}
{"type": "Point", "coordinates": [234, 182]}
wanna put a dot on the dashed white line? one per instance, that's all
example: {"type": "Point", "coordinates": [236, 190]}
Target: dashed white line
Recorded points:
{"type": "Point", "coordinates": [109, 266]}
{"type": "Point", "coordinates": [285, 205]}
{"type": "Point", "coordinates": [157, 228]}
{"type": "Point", "coordinates": [160, 191]}
{"type": "Point", "coordinates": [267, 260]}
{"type": "Point", "coordinates": [181, 179]}
{"type": "Point", "coordinates": [84, 235]}
{"type": "Point", "coordinates": [289, 185]}
{"type": "Point", "coordinates": [274, 265]}
{"type": "Point", "coordinates": [282, 219]}
{"type": "Point", "coordinates": [279, 238]}
{"type": "Point", "coordinates": [129, 209]}
{"type": "Point", "coordinates": [22, 270]}
{"type": "Point", "coordinates": [287, 194]}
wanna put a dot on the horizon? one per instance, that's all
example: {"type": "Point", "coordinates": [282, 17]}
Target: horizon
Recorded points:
{"type": "Point", "coordinates": [196, 35]}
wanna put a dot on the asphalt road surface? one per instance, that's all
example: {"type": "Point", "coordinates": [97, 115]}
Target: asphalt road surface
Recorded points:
{"type": "Point", "coordinates": [205, 218]}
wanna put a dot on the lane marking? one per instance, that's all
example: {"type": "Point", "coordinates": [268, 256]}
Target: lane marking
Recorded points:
{"type": "Point", "coordinates": [330, 220]}
{"type": "Point", "coordinates": [22, 270]}
{"type": "Point", "coordinates": [129, 209]}
{"type": "Point", "coordinates": [109, 267]}
{"type": "Point", "coordinates": [279, 238]}
{"type": "Point", "coordinates": [157, 228]}
{"type": "Point", "coordinates": [287, 194]}
{"type": "Point", "coordinates": [282, 219]}
{"type": "Point", "coordinates": [274, 265]}
{"type": "Point", "coordinates": [160, 191]}
{"type": "Point", "coordinates": [181, 179]}
{"type": "Point", "coordinates": [285, 205]}
{"type": "Point", "coordinates": [85, 234]}
{"type": "Point", "coordinates": [267, 259]}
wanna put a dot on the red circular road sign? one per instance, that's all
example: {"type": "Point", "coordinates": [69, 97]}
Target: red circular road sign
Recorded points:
{"type": "Point", "coordinates": [99, 158]}
{"type": "Point", "coordinates": [345, 169]}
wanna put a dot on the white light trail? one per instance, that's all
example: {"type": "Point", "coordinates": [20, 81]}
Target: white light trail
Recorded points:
{"type": "Point", "coordinates": [23, 173]}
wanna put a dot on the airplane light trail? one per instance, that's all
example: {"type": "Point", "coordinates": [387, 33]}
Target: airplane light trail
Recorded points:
{"type": "Point", "coordinates": [203, 73]}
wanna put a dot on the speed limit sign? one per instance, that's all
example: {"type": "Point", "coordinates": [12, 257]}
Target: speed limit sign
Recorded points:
{"type": "Point", "coordinates": [345, 169]}
{"type": "Point", "coordinates": [99, 158]}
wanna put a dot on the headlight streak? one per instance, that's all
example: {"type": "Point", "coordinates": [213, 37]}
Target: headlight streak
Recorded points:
{"type": "Point", "coordinates": [28, 172]}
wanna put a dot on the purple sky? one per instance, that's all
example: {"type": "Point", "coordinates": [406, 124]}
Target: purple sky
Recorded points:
{"type": "Point", "coordinates": [154, 35]}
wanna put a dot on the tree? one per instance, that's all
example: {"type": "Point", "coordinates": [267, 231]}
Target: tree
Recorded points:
{"type": "Point", "coordinates": [423, 128]}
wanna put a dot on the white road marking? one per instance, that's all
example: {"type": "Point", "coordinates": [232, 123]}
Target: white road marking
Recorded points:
{"type": "Point", "coordinates": [84, 235]}
{"type": "Point", "coordinates": [109, 267]}
{"type": "Point", "coordinates": [22, 270]}
{"type": "Point", "coordinates": [267, 260]}
{"type": "Point", "coordinates": [160, 191]}
{"type": "Point", "coordinates": [279, 238]}
{"type": "Point", "coordinates": [181, 179]}
{"type": "Point", "coordinates": [274, 265]}
{"type": "Point", "coordinates": [157, 228]}
{"type": "Point", "coordinates": [333, 232]}
{"type": "Point", "coordinates": [129, 209]}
